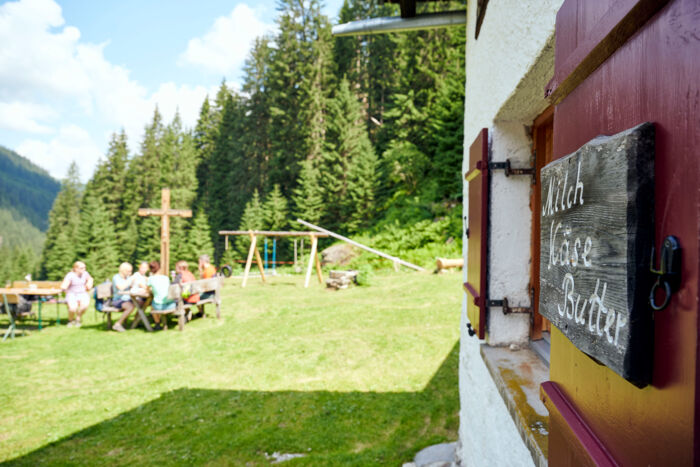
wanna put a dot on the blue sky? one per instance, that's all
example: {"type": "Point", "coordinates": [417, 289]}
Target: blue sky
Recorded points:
{"type": "Point", "coordinates": [74, 72]}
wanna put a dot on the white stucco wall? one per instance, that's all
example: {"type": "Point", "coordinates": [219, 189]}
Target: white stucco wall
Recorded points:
{"type": "Point", "coordinates": [507, 69]}
{"type": "Point", "coordinates": [509, 234]}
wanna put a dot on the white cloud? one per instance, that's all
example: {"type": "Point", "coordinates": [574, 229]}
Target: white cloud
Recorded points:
{"type": "Point", "coordinates": [72, 143]}
{"type": "Point", "coordinates": [47, 74]}
{"type": "Point", "coordinates": [25, 117]}
{"type": "Point", "coordinates": [224, 48]}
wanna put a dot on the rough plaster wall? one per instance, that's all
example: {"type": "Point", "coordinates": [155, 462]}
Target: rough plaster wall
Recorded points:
{"type": "Point", "coordinates": [512, 38]}
{"type": "Point", "coordinates": [509, 234]}
{"type": "Point", "coordinates": [504, 74]}
{"type": "Point", "coordinates": [487, 433]}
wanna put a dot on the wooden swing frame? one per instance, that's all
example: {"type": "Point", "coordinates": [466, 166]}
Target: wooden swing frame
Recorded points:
{"type": "Point", "coordinates": [253, 251]}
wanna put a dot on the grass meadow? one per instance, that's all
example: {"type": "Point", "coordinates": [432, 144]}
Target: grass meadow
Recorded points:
{"type": "Point", "coordinates": [363, 376]}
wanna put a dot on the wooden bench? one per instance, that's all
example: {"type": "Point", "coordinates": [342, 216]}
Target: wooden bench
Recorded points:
{"type": "Point", "coordinates": [183, 310]}
{"type": "Point", "coordinates": [103, 291]}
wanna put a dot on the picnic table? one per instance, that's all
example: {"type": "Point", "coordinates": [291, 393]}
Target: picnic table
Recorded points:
{"type": "Point", "coordinates": [42, 292]}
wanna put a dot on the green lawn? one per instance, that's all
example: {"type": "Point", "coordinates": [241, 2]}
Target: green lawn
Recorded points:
{"type": "Point", "coordinates": [362, 376]}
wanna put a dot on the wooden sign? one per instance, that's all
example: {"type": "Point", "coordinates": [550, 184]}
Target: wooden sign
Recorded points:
{"type": "Point", "coordinates": [596, 235]}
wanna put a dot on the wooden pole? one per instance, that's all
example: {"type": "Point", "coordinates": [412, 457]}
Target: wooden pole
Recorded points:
{"type": "Point", "coordinates": [225, 242]}
{"type": "Point", "coordinates": [165, 232]}
{"type": "Point", "coordinates": [259, 260]}
{"type": "Point", "coordinates": [295, 253]}
{"type": "Point", "coordinates": [249, 261]}
{"type": "Point", "coordinates": [314, 243]}
{"type": "Point", "coordinates": [318, 268]}
{"type": "Point", "coordinates": [360, 245]}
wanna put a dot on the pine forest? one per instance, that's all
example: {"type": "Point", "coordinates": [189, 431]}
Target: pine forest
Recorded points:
{"type": "Point", "coordinates": [361, 135]}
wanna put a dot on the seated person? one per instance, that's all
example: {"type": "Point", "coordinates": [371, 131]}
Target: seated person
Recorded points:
{"type": "Point", "coordinates": [158, 284]}
{"type": "Point", "coordinates": [183, 271]}
{"type": "Point", "coordinates": [139, 280]}
{"type": "Point", "coordinates": [121, 283]}
{"type": "Point", "coordinates": [206, 271]}
{"type": "Point", "coordinates": [139, 285]}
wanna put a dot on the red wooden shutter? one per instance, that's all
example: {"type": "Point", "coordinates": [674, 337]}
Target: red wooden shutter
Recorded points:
{"type": "Point", "coordinates": [477, 235]}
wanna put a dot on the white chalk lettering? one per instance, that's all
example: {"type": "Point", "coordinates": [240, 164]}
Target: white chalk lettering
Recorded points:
{"type": "Point", "coordinates": [558, 197]}
{"type": "Point", "coordinates": [574, 309]}
{"type": "Point", "coordinates": [586, 251]}
{"type": "Point", "coordinates": [621, 322]}
{"type": "Point", "coordinates": [609, 321]}
{"type": "Point", "coordinates": [579, 184]}
{"type": "Point", "coordinates": [563, 192]}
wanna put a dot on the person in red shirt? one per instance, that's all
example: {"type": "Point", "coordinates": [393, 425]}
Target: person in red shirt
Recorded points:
{"type": "Point", "coordinates": [183, 269]}
{"type": "Point", "coordinates": [206, 271]}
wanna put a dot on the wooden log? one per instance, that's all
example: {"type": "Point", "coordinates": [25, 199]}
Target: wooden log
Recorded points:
{"type": "Point", "coordinates": [359, 245]}
{"type": "Point", "coordinates": [272, 233]}
{"type": "Point", "coordinates": [446, 263]}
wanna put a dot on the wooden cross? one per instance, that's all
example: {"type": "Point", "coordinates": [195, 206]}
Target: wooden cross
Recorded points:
{"type": "Point", "coordinates": [165, 212]}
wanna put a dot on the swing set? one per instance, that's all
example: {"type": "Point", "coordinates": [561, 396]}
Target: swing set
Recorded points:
{"type": "Point", "coordinates": [263, 266]}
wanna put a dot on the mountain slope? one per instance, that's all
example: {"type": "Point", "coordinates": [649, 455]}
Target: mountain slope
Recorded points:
{"type": "Point", "coordinates": [26, 189]}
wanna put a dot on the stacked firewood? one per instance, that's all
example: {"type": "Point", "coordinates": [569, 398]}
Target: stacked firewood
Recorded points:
{"type": "Point", "coordinates": [341, 279]}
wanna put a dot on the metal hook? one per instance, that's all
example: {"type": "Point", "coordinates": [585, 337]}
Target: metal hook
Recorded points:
{"type": "Point", "coordinates": [669, 271]}
{"type": "Point", "coordinates": [667, 296]}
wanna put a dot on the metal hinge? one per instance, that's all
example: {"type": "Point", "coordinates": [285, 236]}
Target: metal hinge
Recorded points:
{"type": "Point", "coordinates": [508, 309]}
{"type": "Point", "coordinates": [515, 309]}
{"type": "Point", "coordinates": [505, 166]}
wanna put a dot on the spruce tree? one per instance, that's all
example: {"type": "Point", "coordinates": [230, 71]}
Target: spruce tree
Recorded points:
{"type": "Point", "coordinates": [253, 219]}
{"type": "Point", "coordinates": [448, 136]}
{"type": "Point", "coordinates": [299, 73]}
{"type": "Point", "coordinates": [308, 195]}
{"type": "Point", "coordinates": [198, 239]}
{"type": "Point", "coordinates": [97, 245]}
{"type": "Point", "coordinates": [59, 248]}
{"type": "Point", "coordinates": [362, 187]}
{"type": "Point", "coordinates": [275, 208]}
{"type": "Point", "coordinates": [350, 165]}
{"type": "Point", "coordinates": [256, 134]}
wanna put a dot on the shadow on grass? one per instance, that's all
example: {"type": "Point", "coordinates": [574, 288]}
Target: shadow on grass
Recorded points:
{"type": "Point", "coordinates": [195, 426]}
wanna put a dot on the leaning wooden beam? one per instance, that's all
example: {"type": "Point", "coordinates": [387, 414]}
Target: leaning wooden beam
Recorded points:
{"type": "Point", "coordinates": [258, 259]}
{"type": "Point", "coordinates": [359, 245]}
{"type": "Point", "coordinates": [312, 260]}
{"type": "Point", "coordinates": [269, 233]}
{"type": "Point", "coordinates": [249, 261]}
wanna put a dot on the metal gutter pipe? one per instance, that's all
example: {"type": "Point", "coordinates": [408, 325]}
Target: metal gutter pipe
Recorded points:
{"type": "Point", "coordinates": [395, 23]}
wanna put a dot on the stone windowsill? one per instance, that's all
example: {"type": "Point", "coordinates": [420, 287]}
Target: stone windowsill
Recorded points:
{"type": "Point", "coordinates": [518, 375]}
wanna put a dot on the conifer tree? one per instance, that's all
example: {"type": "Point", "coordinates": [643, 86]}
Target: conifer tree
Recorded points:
{"type": "Point", "coordinates": [256, 135]}
{"type": "Point", "coordinates": [231, 176]}
{"type": "Point", "coordinates": [59, 249]}
{"type": "Point", "coordinates": [362, 186]}
{"type": "Point", "coordinates": [253, 219]}
{"type": "Point", "coordinates": [308, 195]}
{"type": "Point", "coordinates": [96, 245]}
{"type": "Point", "coordinates": [148, 246]}
{"type": "Point", "coordinates": [349, 157]}
{"type": "Point", "coordinates": [198, 239]}
{"type": "Point", "coordinates": [298, 71]}
{"type": "Point", "coordinates": [275, 208]}
{"type": "Point", "coordinates": [448, 135]}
